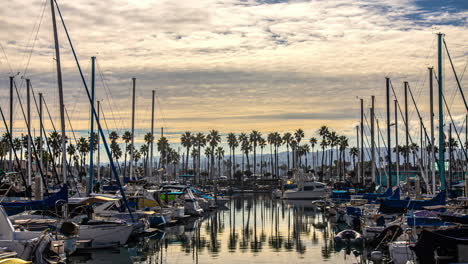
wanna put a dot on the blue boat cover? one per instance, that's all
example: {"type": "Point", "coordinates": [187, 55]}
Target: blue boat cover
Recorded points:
{"type": "Point", "coordinates": [13, 208]}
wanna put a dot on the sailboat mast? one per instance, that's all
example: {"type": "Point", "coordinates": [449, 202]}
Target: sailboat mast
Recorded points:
{"type": "Point", "coordinates": [98, 144]}
{"type": "Point", "coordinates": [41, 154]}
{"type": "Point", "coordinates": [133, 129]}
{"type": "Point", "coordinates": [10, 157]}
{"type": "Point", "coordinates": [362, 142]}
{"type": "Point", "coordinates": [150, 167]}
{"type": "Point", "coordinates": [431, 106]}
{"type": "Point", "coordinates": [91, 132]}
{"type": "Point", "coordinates": [406, 125]}
{"type": "Point", "coordinates": [389, 146]}
{"type": "Point", "coordinates": [373, 138]}
{"type": "Point", "coordinates": [441, 114]}
{"type": "Point", "coordinates": [28, 117]}
{"type": "Point", "coordinates": [60, 90]}
{"type": "Point", "coordinates": [357, 170]}
{"type": "Point", "coordinates": [397, 148]}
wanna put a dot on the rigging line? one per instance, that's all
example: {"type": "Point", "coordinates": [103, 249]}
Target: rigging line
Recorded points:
{"type": "Point", "coordinates": [50, 116]}
{"type": "Point", "coordinates": [415, 153]}
{"type": "Point", "coordinates": [46, 140]}
{"type": "Point", "coordinates": [26, 186]}
{"type": "Point", "coordinates": [368, 144]}
{"type": "Point", "coordinates": [417, 110]}
{"type": "Point", "coordinates": [383, 141]}
{"type": "Point", "coordinates": [104, 141]}
{"type": "Point", "coordinates": [34, 40]}
{"type": "Point", "coordinates": [456, 76]}
{"type": "Point", "coordinates": [108, 91]}
{"type": "Point", "coordinates": [6, 58]}
{"type": "Point", "coordinates": [71, 127]}
{"type": "Point", "coordinates": [77, 98]}
{"type": "Point", "coordinates": [32, 140]}
{"type": "Point", "coordinates": [455, 127]}
{"type": "Point", "coordinates": [403, 117]}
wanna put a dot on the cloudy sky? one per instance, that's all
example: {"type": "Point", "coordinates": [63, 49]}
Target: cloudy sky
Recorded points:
{"type": "Point", "coordinates": [234, 65]}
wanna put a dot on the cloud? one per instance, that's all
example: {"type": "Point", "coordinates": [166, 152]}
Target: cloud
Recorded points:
{"type": "Point", "coordinates": [234, 65]}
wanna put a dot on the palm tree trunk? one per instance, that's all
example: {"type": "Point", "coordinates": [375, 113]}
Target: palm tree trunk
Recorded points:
{"type": "Point", "coordinates": [323, 156]}
{"type": "Point", "coordinates": [287, 152]}
{"type": "Point", "coordinates": [271, 160]}
{"type": "Point", "coordinates": [255, 159]}
{"type": "Point", "coordinates": [125, 161]}
{"type": "Point", "coordinates": [186, 160]}
{"type": "Point", "coordinates": [261, 161]}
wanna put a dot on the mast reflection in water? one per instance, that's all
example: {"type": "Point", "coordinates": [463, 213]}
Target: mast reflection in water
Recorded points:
{"type": "Point", "coordinates": [255, 229]}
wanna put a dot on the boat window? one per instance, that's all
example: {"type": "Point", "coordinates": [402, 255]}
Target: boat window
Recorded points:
{"type": "Point", "coordinates": [309, 188]}
{"type": "Point", "coordinates": [319, 186]}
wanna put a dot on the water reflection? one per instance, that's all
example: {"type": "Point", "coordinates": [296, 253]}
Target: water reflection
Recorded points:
{"type": "Point", "coordinates": [256, 229]}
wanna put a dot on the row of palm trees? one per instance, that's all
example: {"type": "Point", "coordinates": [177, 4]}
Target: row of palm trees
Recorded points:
{"type": "Point", "coordinates": [248, 145]}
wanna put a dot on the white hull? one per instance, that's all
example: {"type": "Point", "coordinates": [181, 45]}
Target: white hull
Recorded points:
{"type": "Point", "coordinates": [105, 235]}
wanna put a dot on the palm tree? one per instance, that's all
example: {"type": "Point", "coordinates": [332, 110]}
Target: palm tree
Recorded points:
{"type": "Point", "coordinates": [245, 145]}
{"type": "Point", "coordinates": [323, 132]}
{"type": "Point", "coordinates": [254, 138]}
{"type": "Point", "coordinates": [298, 135]}
{"type": "Point", "coordinates": [333, 137]}
{"type": "Point", "coordinates": [262, 145]}
{"type": "Point", "coordinates": [294, 147]}
{"type": "Point", "coordinates": [313, 142]}
{"type": "Point", "coordinates": [219, 156]}
{"type": "Point", "coordinates": [414, 149]}
{"type": "Point", "coordinates": [200, 141]}
{"type": "Point", "coordinates": [163, 147]}
{"type": "Point", "coordinates": [271, 141]}
{"type": "Point", "coordinates": [324, 144]}
{"type": "Point", "coordinates": [186, 140]}
{"type": "Point", "coordinates": [354, 151]}
{"type": "Point", "coordinates": [343, 144]}
{"type": "Point", "coordinates": [71, 151]}
{"type": "Point", "coordinates": [144, 150]}
{"type": "Point", "coordinates": [287, 137]}
{"type": "Point", "coordinates": [233, 144]}
{"type": "Point", "coordinates": [208, 154]}
{"type": "Point", "coordinates": [278, 141]}
{"type": "Point", "coordinates": [213, 139]}
{"type": "Point", "coordinates": [127, 137]}
{"type": "Point", "coordinates": [305, 149]}
{"type": "Point", "coordinates": [194, 156]}
{"type": "Point", "coordinates": [173, 158]}
{"type": "Point", "coordinates": [83, 148]}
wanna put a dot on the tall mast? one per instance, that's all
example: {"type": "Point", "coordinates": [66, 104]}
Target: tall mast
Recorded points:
{"type": "Point", "coordinates": [397, 148]}
{"type": "Point", "coordinates": [10, 157]}
{"type": "Point", "coordinates": [150, 167]}
{"type": "Point", "coordinates": [98, 144]}
{"type": "Point", "coordinates": [133, 129]}
{"type": "Point", "coordinates": [60, 88]}
{"type": "Point", "coordinates": [28, 112]}
{"type": "Point", "coordinates": [449, 181]}
{"type": "Point", "coordinates": [163, 152]}
{"type": "Point", "coordinates": [373, 138]}
{"type": "Point", "coordinates": [431, 106]}
{"type": "Point", "coordinates": [406, 124]}
{"type": "Point", "coordinates": [41, 125]}
{"type": "Point", "coordinates": [389, 146]}
{"type": "Point", "coordinates": [362, 142]}
{"type": "Point", "coordinates": [441, 114]}
{"type": "Point", "coordinates": [358, 171]}
{"type": "Point", "coordinates": [91, 132]}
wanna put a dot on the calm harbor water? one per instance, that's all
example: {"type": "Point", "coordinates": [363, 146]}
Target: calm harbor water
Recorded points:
{"type": "Point", "coordinates": [253, 229]}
